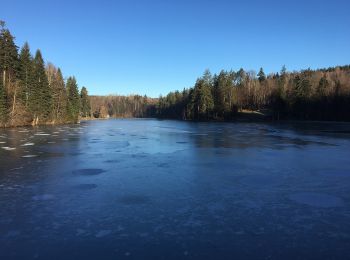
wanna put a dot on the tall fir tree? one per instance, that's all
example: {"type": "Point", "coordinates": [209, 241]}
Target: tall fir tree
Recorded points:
{"type": "Point", "coordinates": [322, 86]}
{"type": "Point", "coordinates": [84, 103]}
{"type": "Point", "coordinates": [8, 57]}
{"type": "Point", "coordinates": [261, 75]}
{"type": "Point", "coordinates": [25, 74]}
{"type": "Point", "coordinates": [8, 68]}
{"type": "Point", "coordinates": [73, 103]}
{"type": "Point", "coordinates": [202, 99]}
{"type": "Point", "coordinates": [40, 99]}
{"type": "Point", "coordinates": [59, 97]}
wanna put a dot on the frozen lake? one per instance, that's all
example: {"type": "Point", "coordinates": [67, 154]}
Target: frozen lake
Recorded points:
{"type": "Point", "coordinates": [150, 189]}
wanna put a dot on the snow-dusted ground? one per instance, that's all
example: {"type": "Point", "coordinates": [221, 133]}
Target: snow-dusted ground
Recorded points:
{"type": "Point", "coordinates": [149, 189]}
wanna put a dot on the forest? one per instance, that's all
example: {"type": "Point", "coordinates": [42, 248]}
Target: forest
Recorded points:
{"type": "Point", "coordinates": [32, 93]}
{"type": "Point", "coordinates": [117, 106]}
{"type": "Point", "coordinates": [322, 94]}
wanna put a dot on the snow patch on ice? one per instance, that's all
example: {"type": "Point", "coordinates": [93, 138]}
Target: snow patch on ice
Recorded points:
{"type": "Point", "coordinates": [28, 144]}
{"type": "Point", "coordinates": [8, 148]}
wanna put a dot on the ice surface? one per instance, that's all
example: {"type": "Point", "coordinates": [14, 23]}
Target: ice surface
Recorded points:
{"type": "Point", "coordinates": [88, 171]}
{"type": "Point", "coordinates": [151, 189]}
{"type": "Point", "coordinates": [43, 197]}
{"type": "Point", "coordinates": [317, 199]}
{"type": "Point", "coordinates": [86, 186]}
{"type": "Point", "coordinates": [103, 233]}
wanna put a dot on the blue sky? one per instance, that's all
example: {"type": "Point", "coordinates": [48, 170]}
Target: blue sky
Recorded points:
{"type": "Point", "coordinates": [153, 47]}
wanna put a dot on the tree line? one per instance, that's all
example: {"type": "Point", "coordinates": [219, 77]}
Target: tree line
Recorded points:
{"type": "Point", "coordinates": [122, 106]}
{"type": "Point", "coordinates": [322, 94]}
{"type": "Point", "coordinates": [34, 93]}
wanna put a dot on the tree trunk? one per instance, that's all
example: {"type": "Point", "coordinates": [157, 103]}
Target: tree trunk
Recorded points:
{"type": "Point", "coordinates": [14, 101]}
{"type": "Point", "coordinates": [4, 78]}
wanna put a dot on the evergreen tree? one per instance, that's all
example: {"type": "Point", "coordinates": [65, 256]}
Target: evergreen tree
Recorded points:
{"type": "Point", "coordinates": [85, 103]}
{"type": "Point", "coordinates": [40, 99]}
{"type": "Point", "coordinates": [59, 93]}
{"type": "Point", "coordinates": [8, 57]}
{"type": "Point", "coordinates": [62, 96]}
{"type": "Point", "coordinates": [73, 103]}
{"type": "Point", "coordinates": [223, 93]}
{"type": "Point", "coordinates": [283, 70]}
{"type": "Point", "coordinates": [322, 86]}
{"type": "Point", "coordinates": [202, 99]}
{"type": "Point", "coordinates": [25, 74]}
{"type": "Point", "coordinates": [8, 68]}
{"type": "Point", "coordinates": [261, 75]}
{"type": "Point", "coordinates": [302, 86]}
{"type": "Point", "coordinates": [240, 77]}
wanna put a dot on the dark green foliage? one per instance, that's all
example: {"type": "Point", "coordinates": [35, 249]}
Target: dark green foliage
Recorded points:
{"type": "Point", "coordinates": [310, 94]}
{"type": "Point", "coordinates": [59, 94]}
{"type": "Point", "coordinates": [40, 98]}
{"type": "Point", "coordinates": [73, 104]}
{"type": "Point", "coordinates": [223, 94]}
{"type": "Point", "coordinates": [26, 73]}
{"type": "Point", "coordinates": [261, 75]}
{"type": "Point", "coordinates": [85, 106]}
{"type": "Point", "coordinates": [8, 57]}
{"type": "Point", "coordinates": [27, 95]}
{"type": "Point", "coordinates": [202, 102]}
{"type": "Point", "coordinates": [322, 86]}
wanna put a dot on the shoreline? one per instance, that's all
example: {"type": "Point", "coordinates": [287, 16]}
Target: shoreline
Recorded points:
{"type": "Point", "coordinates": [238, 119]}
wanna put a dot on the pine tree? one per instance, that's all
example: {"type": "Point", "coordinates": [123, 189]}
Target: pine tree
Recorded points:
{"type": "Point", "coordinates": [60, 96]}
{"type": "Point", "coordinates": [25, 74]}
{"type": "Point", "coordinates": [261, 75]}
{"type": "Point", "coordinates": [202, 99]}
{"type": "Point", "coordinates": [223, 93]}
{"type": "Point", "coordinates": [8, 68]}
{"type": "Point", "coordinates": [40, 99]}
{"type": "Point", "coordinates": [85, 103]}
{"type": "Point", "coordinates": [322, 86]}
{"type": "Point", "coordinates": [8, 57]}
{"type": "Point", "coordinates": [73, 103]}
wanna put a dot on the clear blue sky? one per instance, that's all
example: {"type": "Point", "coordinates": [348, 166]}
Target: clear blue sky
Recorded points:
{"type": "Point", "coordinates": [152, 47]}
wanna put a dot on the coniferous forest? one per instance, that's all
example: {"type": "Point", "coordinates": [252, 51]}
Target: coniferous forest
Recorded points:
{"type": "Point", "coordinates": [322, 94]}
{"type": "Point", "coordinates": [32, 93]}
